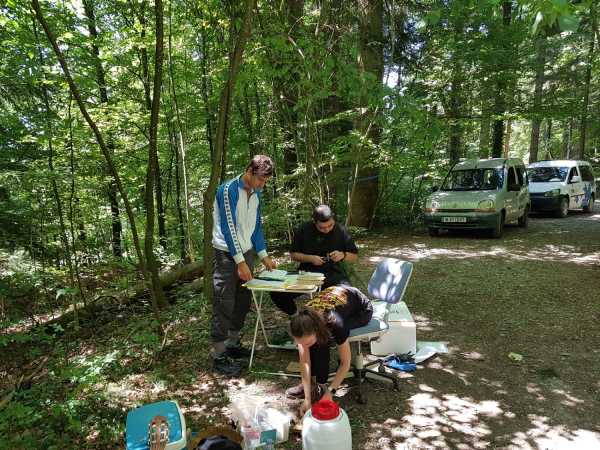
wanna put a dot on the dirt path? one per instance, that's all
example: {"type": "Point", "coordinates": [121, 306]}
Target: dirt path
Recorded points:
{"type": "Point", "coordinates": [534, 292]}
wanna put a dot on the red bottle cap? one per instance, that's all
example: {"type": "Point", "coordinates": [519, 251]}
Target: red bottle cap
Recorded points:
{"type": "Point", "coordinates": [325, 410]}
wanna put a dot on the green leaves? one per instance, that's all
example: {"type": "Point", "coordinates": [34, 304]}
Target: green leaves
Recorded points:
{"type": "Point", "coordinates": [568, 22]}
{"type": "Point", "coordinates": [546, 14]}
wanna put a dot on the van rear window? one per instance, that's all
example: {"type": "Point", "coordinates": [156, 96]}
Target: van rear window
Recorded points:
{"type": "Point", "coordinates": [547, 174]}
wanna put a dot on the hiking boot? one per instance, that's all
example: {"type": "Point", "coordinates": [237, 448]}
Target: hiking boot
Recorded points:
{"type": "Point", "coordinates": [295, 392]}
{"type": "Point", "coordinates": [237, 352]}
{"type": "Point", "coordinates": [226, 366]}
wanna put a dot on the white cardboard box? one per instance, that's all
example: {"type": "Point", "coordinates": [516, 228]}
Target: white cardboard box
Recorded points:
{"type": "Point", "coordinates": [402, 334]}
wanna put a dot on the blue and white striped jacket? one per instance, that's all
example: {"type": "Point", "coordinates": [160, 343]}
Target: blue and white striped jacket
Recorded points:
{"type": "Point", "coordinates": [237, 221]}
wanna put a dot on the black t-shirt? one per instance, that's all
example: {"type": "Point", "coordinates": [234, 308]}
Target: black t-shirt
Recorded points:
{"type": "Point", "coordinates": [354, 313]}
{"type": "Point", "coordinates": [310, 241]}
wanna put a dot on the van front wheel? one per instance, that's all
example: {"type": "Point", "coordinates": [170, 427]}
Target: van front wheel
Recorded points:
{"type": "Point", "coordinates": [524, 219]}
{"type": "Point", "coordinates": [563, 208]}
{"type": "Point", "coordinates": [499, 228]}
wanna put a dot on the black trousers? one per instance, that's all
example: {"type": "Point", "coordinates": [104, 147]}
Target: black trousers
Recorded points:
{"type": "Point", "coordinates": [319, 353]}
{"type": "Point", "coordinates": [286, 301]}
{"type": "Point", "coordinates": [231, 301]}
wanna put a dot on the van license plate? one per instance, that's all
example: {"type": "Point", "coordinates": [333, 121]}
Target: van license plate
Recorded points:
{"type": "Point", "coordinates": [454, 219]}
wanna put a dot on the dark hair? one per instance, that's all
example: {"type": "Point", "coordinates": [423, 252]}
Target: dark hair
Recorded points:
{"type": "Point", "coordinates": [261, 165]}
{"type": "Point", "coordinates": [322, 213]}
{"type": "Point", "coordinates": [309, 321]}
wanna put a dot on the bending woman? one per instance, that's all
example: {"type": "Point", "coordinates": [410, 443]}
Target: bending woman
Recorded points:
{"type": "Point", "coordinates": [328, 317]}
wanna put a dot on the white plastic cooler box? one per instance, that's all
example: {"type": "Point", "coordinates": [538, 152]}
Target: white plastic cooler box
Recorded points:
{"type": "Point", "coordinates": [401, 336]}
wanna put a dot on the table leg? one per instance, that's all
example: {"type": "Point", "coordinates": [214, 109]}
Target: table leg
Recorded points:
{"type": "Point", "coordinates": [257, 306]}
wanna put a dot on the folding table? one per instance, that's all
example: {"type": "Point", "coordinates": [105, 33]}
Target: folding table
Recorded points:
{"type": "Point", "coordinates": [257, 296]}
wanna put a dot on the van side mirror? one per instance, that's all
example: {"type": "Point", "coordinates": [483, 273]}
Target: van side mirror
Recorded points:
{"type": "Point", "coordinates": [575, 179]}
{"type": "Point", "coordinates": [435, 189]}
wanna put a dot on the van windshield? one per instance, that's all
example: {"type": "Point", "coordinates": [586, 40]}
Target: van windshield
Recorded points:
{"type": "Point", "coordinates": [474, 180]}
{"type": "Point", "coordinates": [546, 174]}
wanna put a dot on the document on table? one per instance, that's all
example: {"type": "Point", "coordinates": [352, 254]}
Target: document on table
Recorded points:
{"type": "Point", "coordinates": [257, 283]}
{"type": "Point", "coordinates": [273, 275]}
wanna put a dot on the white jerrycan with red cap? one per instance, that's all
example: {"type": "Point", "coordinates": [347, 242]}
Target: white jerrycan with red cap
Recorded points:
{"type": "Point", "coordinates": [326, 427]}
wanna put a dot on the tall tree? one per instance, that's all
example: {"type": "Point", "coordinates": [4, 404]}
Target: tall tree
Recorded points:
{"type": "Point", "coordinates": [540, 67]}
{"type": "Point", "coordinates": [583, 121]}
{"type": "Point", "coordinates": [501, 94]}
{"type": "Point", "coordinates": [365, 185]}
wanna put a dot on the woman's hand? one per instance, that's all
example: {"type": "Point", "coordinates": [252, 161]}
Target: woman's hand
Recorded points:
{"type": "Point", "coordinates": [305, 406]}
{"type": "Point", "coordinates": [327, 396]}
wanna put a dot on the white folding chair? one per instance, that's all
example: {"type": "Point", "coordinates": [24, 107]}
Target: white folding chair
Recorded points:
{"type": "Point", "coordinates": [386, 287]}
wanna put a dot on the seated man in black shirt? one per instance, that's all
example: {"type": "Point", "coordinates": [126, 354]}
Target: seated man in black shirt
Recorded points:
{"type": "Point", "coordinates": [320, 246]}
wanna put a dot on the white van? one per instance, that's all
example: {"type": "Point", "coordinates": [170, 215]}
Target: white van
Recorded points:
{"type": "Point", "coordinates": [480, 194]}
{"type": "Point", "coordinates": [560, 185]}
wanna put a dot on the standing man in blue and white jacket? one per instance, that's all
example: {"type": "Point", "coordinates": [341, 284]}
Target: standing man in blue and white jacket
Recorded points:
{"type": "Point", "coordinates": [237, 236]}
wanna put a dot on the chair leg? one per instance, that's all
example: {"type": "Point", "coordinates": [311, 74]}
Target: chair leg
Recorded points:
{"type": "Point", "coordinates": [359, 374]}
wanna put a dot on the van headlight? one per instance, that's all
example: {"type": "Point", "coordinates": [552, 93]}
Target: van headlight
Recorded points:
{"type": "Point", "coordinates": [552, 193]}
{"type": "Point", "coordinates": [431, 207]}
{"type": "Point", "coordinates": [486, 205]}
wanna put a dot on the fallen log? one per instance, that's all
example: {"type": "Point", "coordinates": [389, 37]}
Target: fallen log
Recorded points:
{"type": "Point", "coordinates": [189, 272]}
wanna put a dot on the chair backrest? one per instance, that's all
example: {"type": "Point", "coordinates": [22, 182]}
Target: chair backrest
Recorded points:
{"type": "Point", "coordinates": [390, 279]}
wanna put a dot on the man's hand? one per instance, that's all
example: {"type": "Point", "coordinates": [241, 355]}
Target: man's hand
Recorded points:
{"type": "Point", "coordinates": [244, 271]}
{"type": "Point", "coordinates": [269, 263]}
{"type": "Point", "coordinates": [337, 256]}
{"type": "Point", "coordinates": [316, 260]}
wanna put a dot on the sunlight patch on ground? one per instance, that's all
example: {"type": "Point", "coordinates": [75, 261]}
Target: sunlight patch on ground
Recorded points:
{"type": "Point", "coordinates": [432, 418]}
{"type": "Point", "coordinates": [550, 252]}
{"type": "Point", "coordinates": [130, 390]}
{"type": "Point", "coordinates": [554, 437]}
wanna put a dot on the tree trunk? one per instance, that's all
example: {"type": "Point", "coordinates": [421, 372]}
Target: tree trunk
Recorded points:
{"type": "Point", "coordinates": [586, 90]}
{"type": "Point", "coordinates": [500, 97]}
{"type": "Point", "coordinates": [540, 65]}
{"type": "Point", "coordinates": [485, 123]}
{"type": "Point", "coordinates": [285, 90]}
{"type": "Point", "coordinates": [162, 233]}
{"type": "Point", "coordinates": [153, 168]}
{"type": "Point", "coordinates": [181, 170]}
{"type": "Point", "coordinates": [454, 112]}
{"type": "Point", "coordinates": [116, 228]}
{"type": "Point", "coordinates": [365, 187]}
{"type": "Point", "coordinates": [507, 138]}
{"type": "Point", "coordinates": [548, 139]}
{"type": "Point", "coordinates": [235, 62]}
